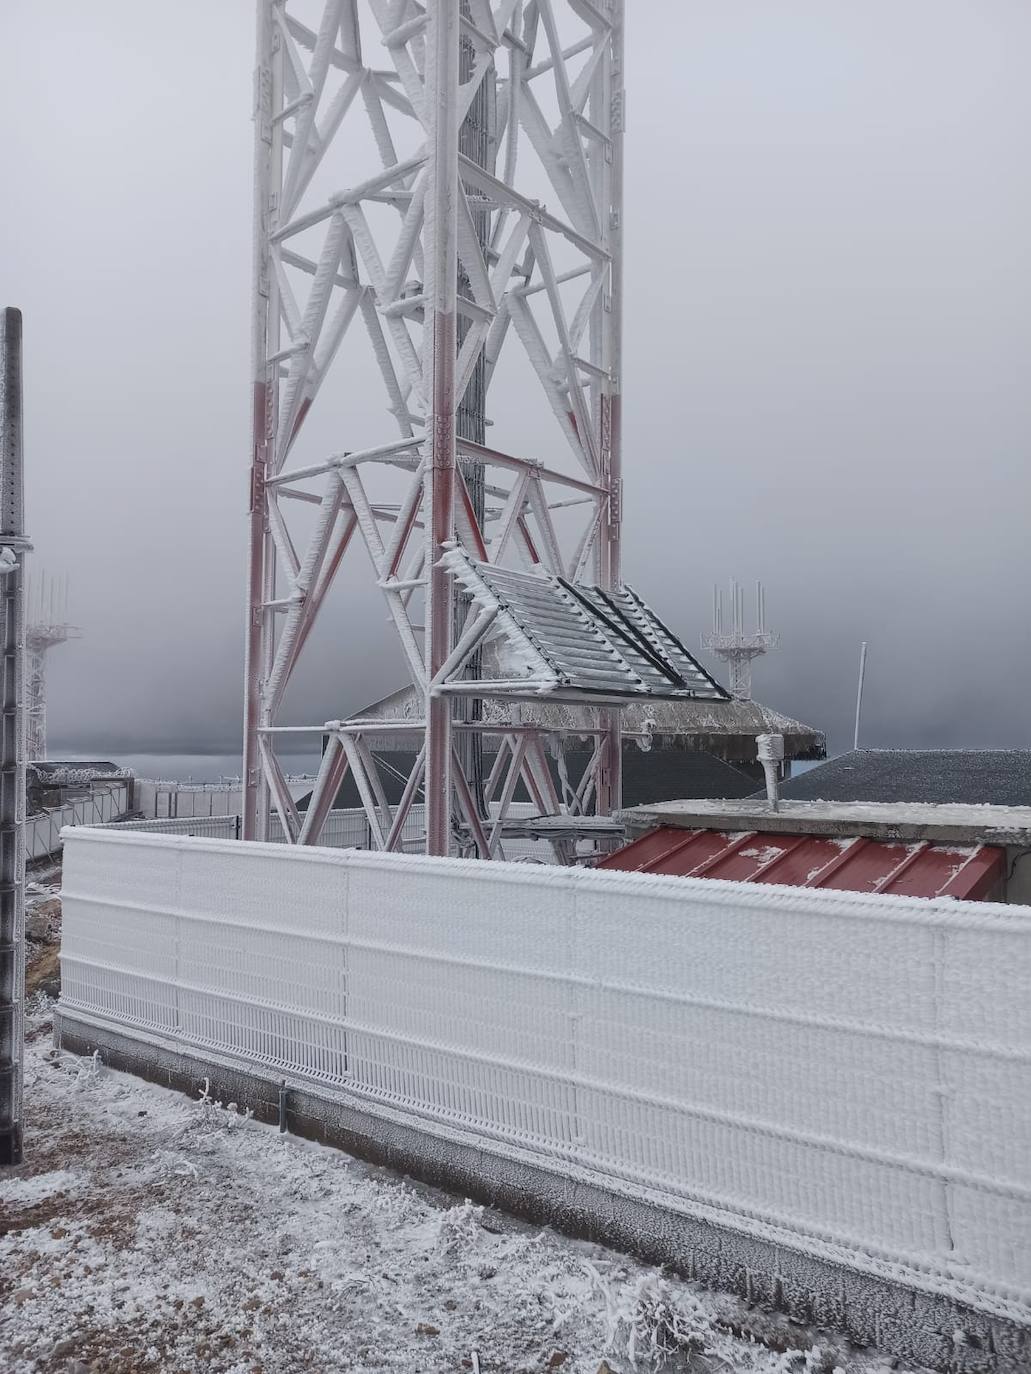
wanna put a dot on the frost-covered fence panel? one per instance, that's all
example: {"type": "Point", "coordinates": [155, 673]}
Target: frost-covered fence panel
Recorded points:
{"type": "Point", "coordinates": [345, 829]}
{"type": "Point", "coordinates": [43, 830]}
{"type": "Point", "coordinates": [850, 1071]}
{"type": "Point", "coordinates": [213, 827]}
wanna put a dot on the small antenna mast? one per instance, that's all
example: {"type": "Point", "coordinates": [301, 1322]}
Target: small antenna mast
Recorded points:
{"type": "Point", "coordinates": [735, 647]}
{"type": "Point", "coordinates": [859, 693]}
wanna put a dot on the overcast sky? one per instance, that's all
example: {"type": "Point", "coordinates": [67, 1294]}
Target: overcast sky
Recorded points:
{"type": "Point", "coordinates": [827, 349]}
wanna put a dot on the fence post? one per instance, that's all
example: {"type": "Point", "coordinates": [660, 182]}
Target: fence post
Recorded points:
{"type": "Point", "coordinates": [13, 547]}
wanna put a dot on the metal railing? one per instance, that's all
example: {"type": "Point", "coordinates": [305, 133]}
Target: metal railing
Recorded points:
{"type": "Point", "coordinates": [347, 828]}
{"type": "Point", "coordinates": [214, 827]}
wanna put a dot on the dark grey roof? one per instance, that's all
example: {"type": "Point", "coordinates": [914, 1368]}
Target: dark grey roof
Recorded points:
{"type": "Point", "coordinates": [564, 639]}
{"type": "Point", "coordinates": [724, 728]}
{"type": "Point", "coordinates": [975, 777]}
{"type": "Point", "coordinates": [653, 775]}
{"type": "Point", "coordinates": [658, 775]}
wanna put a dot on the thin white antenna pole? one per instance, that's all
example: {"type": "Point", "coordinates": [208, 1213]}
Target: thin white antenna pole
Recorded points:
{"type": "Point", "coordinates": [859, 693]}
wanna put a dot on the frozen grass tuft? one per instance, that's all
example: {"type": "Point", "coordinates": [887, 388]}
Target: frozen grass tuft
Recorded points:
{"type": "Point", "coordinates": [219, 1115]}
{"type": "Point", "coordinates": [88, 1072]}
{"type": "Point", "coordinates": [648, 1323]}
{"type": "Point", "coordinates": [460, 1231]}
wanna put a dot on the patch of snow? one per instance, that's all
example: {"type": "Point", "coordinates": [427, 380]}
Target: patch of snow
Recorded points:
{"type": "Point", "coordinates": [168, 1241]}
{"type": "Point", "coordinates": [764, 854]}
{"type": "Point", "coordinates": [27, 1192]}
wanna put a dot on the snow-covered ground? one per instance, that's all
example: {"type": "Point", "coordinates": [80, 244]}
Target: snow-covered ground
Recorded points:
{"type": "Point", "coordinates": [148, 1233]}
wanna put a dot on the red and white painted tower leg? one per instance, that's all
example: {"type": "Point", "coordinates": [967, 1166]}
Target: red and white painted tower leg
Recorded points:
{"type": "Point", "coordinates": [608, 107]}
{"type": "Point", "coordinates": [441, 240]}
{"type": "Point", "coordinates": [465, 249]}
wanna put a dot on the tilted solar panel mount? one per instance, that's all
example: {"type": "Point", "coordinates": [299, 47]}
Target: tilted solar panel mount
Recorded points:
{"type": "Point", "coordinates": [541, 635]}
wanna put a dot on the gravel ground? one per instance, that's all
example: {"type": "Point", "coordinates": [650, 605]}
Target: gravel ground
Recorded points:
{"type": "Point", "coordinates": [149, 1232]}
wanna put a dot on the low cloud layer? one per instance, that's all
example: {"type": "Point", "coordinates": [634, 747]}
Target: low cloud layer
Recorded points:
{"type": "Point", "coordinates": [828, 332]}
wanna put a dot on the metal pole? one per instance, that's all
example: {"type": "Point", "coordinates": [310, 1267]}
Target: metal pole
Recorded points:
{"type": "Point", "coordinates": [255, 786]}
{"type": "Point", "coordinates": [441, 239]}
{"type": "Point", "coordinates": [13, 547]}
{"type": "Point", "coordinates": [610, 92]}
{"type": "Point", "coordinates": [615, 304]}
{"type": "Point", "coordinates": [477, 140]}
{"type": "Point", "coordinates": [859, 693]}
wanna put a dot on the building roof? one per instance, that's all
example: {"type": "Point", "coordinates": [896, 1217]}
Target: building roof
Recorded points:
{"type": "Point", "coordinates": [555, 638]}
{"type": "Point", "coordinates": [726, 729]}
{"type": "Point", "coordinates": [658, 775]}
{"type": "Point", "coordinates": [654, 776]}
{"type": "Point", "coordinates": [977, 777]}
{"type": "Point", "coordinates": [60, 771]}
{"type": "Point", "coordinates": [843, 864]}
{"type": "Point", "coordinates": [1003, 825]}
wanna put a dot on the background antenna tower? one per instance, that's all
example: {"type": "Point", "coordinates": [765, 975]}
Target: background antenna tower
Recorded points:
{"type": "Point", "coordinates": [46, 614]}
{"type": "Point", "coordinates": [729, 642]}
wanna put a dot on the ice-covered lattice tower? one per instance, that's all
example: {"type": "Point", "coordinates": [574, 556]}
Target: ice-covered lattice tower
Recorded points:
{"type": "Point", "coordinates": [730, 642]}
{"type": "Point", "coordinates": [436, 401]}
{"type": "Point", "coordinates": [47, 626]}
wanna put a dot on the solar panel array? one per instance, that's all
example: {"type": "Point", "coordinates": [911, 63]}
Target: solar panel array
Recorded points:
{"type": "Point", "coordinates": [593, 641]}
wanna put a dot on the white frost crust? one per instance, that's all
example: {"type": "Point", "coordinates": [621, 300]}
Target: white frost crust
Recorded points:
{"type": "Point", "coordinates": [520, 657]}
{"type": "Point", "coordinates": [778, 1054]}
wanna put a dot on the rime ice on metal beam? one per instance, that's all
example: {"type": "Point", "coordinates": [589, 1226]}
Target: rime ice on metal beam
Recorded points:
{"type": "Point", "coordinates": [570, 642]}
{"type": "Point", "coordinates": [440, 262]}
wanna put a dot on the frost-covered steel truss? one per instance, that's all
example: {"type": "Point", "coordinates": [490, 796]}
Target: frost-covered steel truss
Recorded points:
{"type": "Point", "coordinates": [47, 627]}
{"type": "Point", "coordinates": [377, 236]}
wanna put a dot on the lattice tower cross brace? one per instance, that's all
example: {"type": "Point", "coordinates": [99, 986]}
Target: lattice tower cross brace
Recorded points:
{"type": "Point", "coordinates": [424, 44]}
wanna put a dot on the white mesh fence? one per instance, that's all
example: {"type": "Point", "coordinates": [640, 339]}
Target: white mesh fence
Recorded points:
{"type": "Point", "coordinates": [214, 827]}
{"type": "Point", "coordinates": [346, 829]}
{"type": "Point", "coordinates": [852, 1070]}
{"type": "Point", "coordinates": [43, 829]}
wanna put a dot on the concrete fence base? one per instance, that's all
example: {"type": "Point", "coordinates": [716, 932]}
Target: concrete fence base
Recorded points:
{"type": "Point", "coordinates": [918, 1326]}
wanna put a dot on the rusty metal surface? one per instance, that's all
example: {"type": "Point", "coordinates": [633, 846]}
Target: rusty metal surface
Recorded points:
{"type": "Point", "coordinates": [852, 864]}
